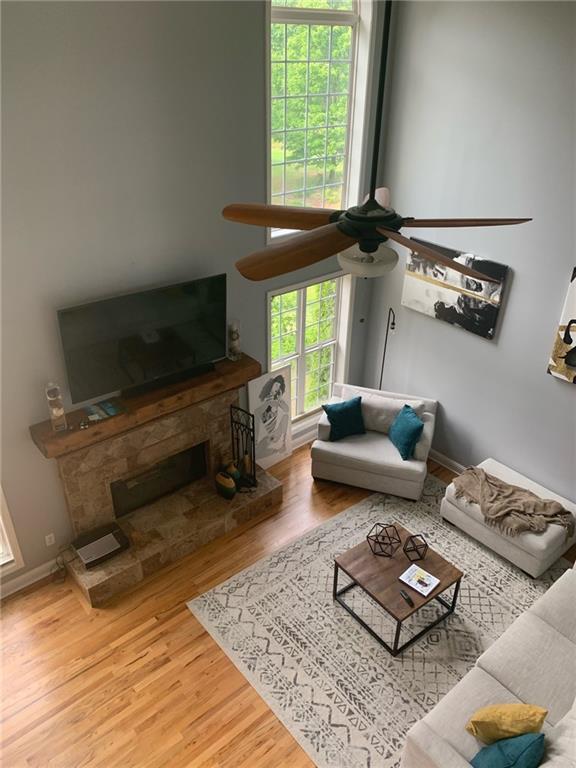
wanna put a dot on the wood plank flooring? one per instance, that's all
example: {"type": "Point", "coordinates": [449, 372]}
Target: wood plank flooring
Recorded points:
{"type": "Point", "coordinates": [140, 684]}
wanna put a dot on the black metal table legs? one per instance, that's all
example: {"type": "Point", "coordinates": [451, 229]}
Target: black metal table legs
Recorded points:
{"type": "Point", "coordinates": [395, 649]}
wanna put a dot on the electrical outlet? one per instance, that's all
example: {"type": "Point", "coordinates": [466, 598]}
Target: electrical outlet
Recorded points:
{"type": "Point", "coordinates": [50, 540]}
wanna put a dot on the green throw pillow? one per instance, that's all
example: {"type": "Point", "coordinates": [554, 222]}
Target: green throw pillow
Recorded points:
{"type": "Point", "coordinates": [524, 751]}
{"type": "Point", "coordinates": [405, 431]}
{"type": "Point", "coordinates": [345, 418]}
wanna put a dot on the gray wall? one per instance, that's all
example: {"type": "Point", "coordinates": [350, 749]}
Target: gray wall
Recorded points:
{"type": "Point", "coordinates": [482, 123]}
{"type": "Point", "coordinates": [126, 128]}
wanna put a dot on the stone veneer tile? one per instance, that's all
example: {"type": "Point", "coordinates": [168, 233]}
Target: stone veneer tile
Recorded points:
{"type": "Point", "coordinates": [161, 450]}
{"type": "Point", "coordinates": [86, 474]}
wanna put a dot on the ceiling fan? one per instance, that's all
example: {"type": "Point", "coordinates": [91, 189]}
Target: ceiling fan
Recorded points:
{"type": "Point", "coordinates": [362, 227]}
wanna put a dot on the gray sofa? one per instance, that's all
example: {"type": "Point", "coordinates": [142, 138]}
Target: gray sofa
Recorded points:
{"type": "Point", "coordinates": [371, 460]}
{"type": "Point", "coordinates": [533, 662]}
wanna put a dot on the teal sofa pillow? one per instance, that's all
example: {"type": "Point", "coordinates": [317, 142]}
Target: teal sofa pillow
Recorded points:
{"type": "Point", "coordinates": [525, 751]}
{"type": "Point", "coordinates": [345, 418]}
{"type": "Point", "coordinates": [405, 431]}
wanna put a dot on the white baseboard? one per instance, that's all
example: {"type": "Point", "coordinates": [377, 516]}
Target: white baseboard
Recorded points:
{"type": "Point", "coordinates": [446, 461]}
{"type": "Point", "coordinates": [26, 579]}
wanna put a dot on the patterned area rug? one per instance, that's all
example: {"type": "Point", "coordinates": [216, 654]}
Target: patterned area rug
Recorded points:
{"type": "Point", "coordinates": [340, 694]}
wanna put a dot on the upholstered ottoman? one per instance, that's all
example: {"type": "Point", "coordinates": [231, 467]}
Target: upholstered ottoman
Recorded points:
{"type": "Point", "coordinates": [532, 552]}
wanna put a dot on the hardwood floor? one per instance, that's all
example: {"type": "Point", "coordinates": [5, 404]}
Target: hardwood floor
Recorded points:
{"type": "Point", "coordinates": [140, 683]}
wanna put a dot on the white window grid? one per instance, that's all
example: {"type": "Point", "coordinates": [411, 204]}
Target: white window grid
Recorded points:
{"type": "Point", "coordinates": [323, 352]}
{"type": "Point", "coordinates": [299, 194]}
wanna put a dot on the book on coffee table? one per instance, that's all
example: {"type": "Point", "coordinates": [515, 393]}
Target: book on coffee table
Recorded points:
{"type": "Point", "coordinates": [419, 579]}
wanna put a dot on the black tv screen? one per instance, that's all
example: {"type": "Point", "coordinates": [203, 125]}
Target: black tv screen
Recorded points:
{"type": "Point", "coordinates": [150, 336]}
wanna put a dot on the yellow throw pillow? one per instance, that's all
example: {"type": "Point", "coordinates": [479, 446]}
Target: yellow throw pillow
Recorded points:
{"type": "Point", "coordinates": [502, 721]}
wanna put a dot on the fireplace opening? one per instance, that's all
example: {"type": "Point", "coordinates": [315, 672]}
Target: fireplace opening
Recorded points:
{"type": "Point", "coordinates": [163, 478]}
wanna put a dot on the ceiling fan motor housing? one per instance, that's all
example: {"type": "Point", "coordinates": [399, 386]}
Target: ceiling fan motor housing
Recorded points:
{"type": "Point", "coordinates": [361, 221]}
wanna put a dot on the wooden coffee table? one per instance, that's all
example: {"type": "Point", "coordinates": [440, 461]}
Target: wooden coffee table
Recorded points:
{"type": "Point", "coordinates": [379, 577]}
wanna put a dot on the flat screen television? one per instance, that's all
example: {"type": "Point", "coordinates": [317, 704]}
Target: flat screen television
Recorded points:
{"type": "Point", "coordinates": [141, 340]}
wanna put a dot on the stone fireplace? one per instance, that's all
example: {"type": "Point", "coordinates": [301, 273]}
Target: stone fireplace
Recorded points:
{"type": "Point", "coordinates": [88, 474]}
{"type": "Point", "coordinates": [151, 470]}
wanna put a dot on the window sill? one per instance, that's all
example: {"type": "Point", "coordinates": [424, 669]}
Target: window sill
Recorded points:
{"type": "Point", "coordinates": [309, 415]}
{"type": "Point", "coordinates": [10, 566]}
{"type": "Point", "coordinates": [305, 428]}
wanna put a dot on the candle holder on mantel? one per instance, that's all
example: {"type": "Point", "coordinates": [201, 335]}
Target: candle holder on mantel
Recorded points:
{"type": "Point", "coordinates": [383, 539]}
{"type": "Point", "coordinates": [415, 547]}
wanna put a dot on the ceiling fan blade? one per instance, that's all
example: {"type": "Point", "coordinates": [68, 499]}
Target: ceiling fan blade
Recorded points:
{"type": "Point", "coordinates": [294, 253]}
{"type": "Point", "coordinates": [433, 255]}
{"type": "Point", "coordinates": [461, 222]}
{"type": "Point", "coordinates": [283, 216]}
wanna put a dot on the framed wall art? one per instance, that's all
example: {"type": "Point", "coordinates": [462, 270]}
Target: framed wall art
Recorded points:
{"type": "Point", "coordinates": [442, 293]}
{"type": "Point", "coordinates": [562, 363]}
{"type": "Point", "coordinates": [269, 401]}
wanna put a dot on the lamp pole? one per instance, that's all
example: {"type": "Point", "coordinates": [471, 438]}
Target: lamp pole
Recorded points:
{"type": "Point", "coordinates": [390, 326]}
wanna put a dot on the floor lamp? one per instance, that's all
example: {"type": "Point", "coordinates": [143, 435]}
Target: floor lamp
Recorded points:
{"type": "Point", "coordinates": [390, 326]}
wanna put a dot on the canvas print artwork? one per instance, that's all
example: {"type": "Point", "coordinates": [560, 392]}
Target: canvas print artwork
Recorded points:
{"type": "Point", "coordinates": [562, 362]}
{"type": "Point", "coordinates": [269, 401]}
{"type": "Point", "coordinates": [443, 293]}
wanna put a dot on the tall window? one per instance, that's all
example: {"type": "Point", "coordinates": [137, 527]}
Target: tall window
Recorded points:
{"type": "Point", "coordinates": [312, 57]}
{"type": "Point", "coordinates": [303, 326]}
{"type": "Point", "coordinates": [10, 556]}
{"type": "Point", "coordinates": [5, 551]}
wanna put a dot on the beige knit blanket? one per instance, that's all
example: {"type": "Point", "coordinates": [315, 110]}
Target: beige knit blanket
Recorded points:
{"type": "Point", "coordinates": [509, 508]}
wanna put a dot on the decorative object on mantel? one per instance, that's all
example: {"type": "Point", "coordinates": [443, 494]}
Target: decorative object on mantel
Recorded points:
{"type": "Point", "coordinates": [56, 407]}
{"type": "Point", "coordinates": [243, 446]}
{"type": "Point", "coordinates": [390, 327]}
{"type": "Point", "coordinates": [562, 362]}
{"type": "Point", "coordinates": [234, 351]}
{"type": "Point", "coordinates": [149, 406]}
{"type": "Point", "coordinates": [383, 539]}
{"type": "Point", "coordinates": [269, 400]}
{"type": "Point", "coordinates": [415, 547]}
{"type": "Point", "coordinates": [225, 485]}
{"type": "Point", "coordinates": [104, 409]}
{"type": "Point", "coordinates": [365, 226]}
{"type": "Point", "coordinates": [439, 290]}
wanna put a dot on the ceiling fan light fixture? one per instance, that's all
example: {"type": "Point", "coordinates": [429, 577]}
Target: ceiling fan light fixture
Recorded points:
{"type": "Point", "coordinates": [357, 262]}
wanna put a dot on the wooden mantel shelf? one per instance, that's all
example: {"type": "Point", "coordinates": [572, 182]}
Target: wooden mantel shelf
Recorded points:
{"type": "Point", "coordinates": [139, 410]}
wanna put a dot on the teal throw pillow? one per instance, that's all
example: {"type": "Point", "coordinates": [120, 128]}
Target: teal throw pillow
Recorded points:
{"type": "Point", "coordinates": [525, 751]}
{"type": "Point", "coordinates": [405, 431]}
{"type": "Point", "coordinates": [345, 418]}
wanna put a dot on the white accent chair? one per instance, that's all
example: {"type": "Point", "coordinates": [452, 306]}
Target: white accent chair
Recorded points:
{"type": "Point", "coordinates": [371, 460]}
